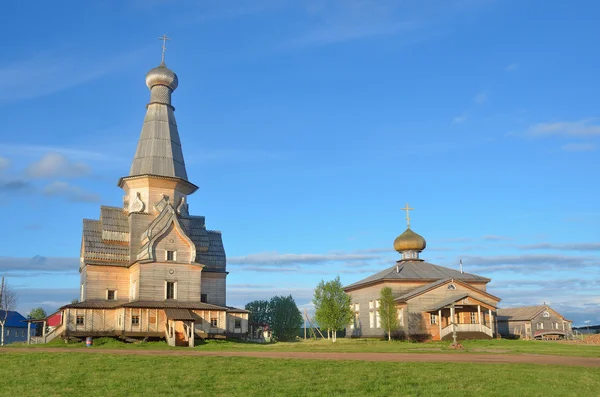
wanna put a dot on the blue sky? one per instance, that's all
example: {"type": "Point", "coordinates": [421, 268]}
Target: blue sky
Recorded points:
{"type": "Point", "coordinates": [307, 126]}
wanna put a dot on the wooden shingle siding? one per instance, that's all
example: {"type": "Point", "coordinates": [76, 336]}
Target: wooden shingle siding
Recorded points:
{"type": "Point", "coordinates": [98, 279]}
{"type": "Point", "coordinates": [213, 285]}
{"type": "Point", "coordinates": [154, 275]}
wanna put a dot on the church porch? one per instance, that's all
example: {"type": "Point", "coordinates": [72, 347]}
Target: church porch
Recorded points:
{"type": "Point", "coordinates": [469, 318]}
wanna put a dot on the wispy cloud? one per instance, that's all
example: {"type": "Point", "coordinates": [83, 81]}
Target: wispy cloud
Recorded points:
{"type": "Point", "coordinates": [38, 263]}
{"type": "Point", "coordinates": [56, 165]}
{"type": "Point", "coordinates": [338, 21]}
{"type": "Point", "coordinates": [512, 67]}
{"type": "Point", "coordinates": [70, 192]}
{"type": "Point", "coordinates": [51, 71]}
{"type": "Point", "coordinates": [276, 259]}
{"type": "Point", "coordinates": [562, 247]}
{"type": "Point", "coordinates": [480, 98]}
{"type": "Point", "coordinates": [583, 128]}
{"type": "Point", "coordinates": [40, 150]}
{"type": "Point", "coordinates": [460, 119]}
{"type": "Point", "coordinates": [579, 147]}
{"type": "Point", "coordinates": [494, 237]}
{"type": "Point", "coordinates": [529, 263]}
{"type": "Point", "coordinates": [4, 163]}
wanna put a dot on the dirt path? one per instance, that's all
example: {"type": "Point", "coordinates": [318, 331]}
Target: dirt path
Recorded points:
{"type": "Point", "coordinates": [390, 357]}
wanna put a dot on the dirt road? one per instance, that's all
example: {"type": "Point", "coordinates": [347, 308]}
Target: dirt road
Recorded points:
{"type": "Point", "coordinates": [390, 357]}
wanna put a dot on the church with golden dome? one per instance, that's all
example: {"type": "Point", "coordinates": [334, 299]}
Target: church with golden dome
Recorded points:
{"type": "Point", "coordinates": [433, 302]}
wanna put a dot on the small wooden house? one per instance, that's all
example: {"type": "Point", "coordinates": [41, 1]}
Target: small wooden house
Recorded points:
{"type": "Point", "coordinates": [150, 268]}
{"type": "Point", "coordinates": [534, 322]}
{"type": "Point", "coordinates": [433, 302]}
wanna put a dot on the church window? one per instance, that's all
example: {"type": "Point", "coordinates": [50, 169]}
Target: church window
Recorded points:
{"type": "Point", "coordinates": [377, 318]}
{"type": "Point", "coordinates": [546, 314]}
{"type": "Point", "coordinates": [79, 320]}
{"type": "Point", "coordinates": [451, 286]}
{"type": "Point", "coordinates": [82, 293]}
{"type": "Point", "coordinates": [213, 322]}
{"type": "Point", "coordinates": [371, 319]}
{"type": "Point", "coordinates": [473, 318]}
{"type": "Point", "coordinates": [171, 290]}
{"type": "Point", "coordinates": [135, 320]}
{"type": "Point", "coordinates": [433, 319]}
{"type": "Point", "coordinates": [401, 317]}
{"type": "Point", "coordinates": [204, 298]}
{"type": "Point", "coordinates": [170, 255]}
{"type": "Point", "coordinates": [238, 323]}
{"type": "Point", "coordinates": [111, 294]}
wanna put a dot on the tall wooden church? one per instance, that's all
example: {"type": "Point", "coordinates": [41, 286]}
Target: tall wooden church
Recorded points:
{"type": "Point", "coordinates": [150, 268]}
{"type": "Point", "coordinates": [433, 302]}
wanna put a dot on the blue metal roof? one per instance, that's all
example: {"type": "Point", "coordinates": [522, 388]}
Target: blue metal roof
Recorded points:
{"type": "Point", "coordinates": [14, 320]}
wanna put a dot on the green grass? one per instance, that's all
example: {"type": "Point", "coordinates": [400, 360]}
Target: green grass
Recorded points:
{"type": "Point", "coordinates": [360, 345]}
{"type": "Point", "coordinates": [65, 374]}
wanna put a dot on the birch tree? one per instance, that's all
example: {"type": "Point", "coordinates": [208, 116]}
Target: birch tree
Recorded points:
{"type": "Point", "coordinates": [8, 302]}
{"type": "Point", "coordinates": [388, 312]}
{"type": "Point", "coordinates": [332, 306]}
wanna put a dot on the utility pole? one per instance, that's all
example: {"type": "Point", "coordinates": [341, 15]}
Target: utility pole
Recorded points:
{"type": "Point", "coordinates": [305, 315]}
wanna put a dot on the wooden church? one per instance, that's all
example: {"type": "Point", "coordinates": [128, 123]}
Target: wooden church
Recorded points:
{"type": "Point", "coordinates": [433, 302]}
{"type": "Point", "coordinates": [150, 268]}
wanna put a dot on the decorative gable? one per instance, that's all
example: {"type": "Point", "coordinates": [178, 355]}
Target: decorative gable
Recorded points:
{"type": "Point", "coordinates": [163, 233]}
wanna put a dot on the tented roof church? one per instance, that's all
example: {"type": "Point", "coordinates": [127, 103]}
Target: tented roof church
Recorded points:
{"type": "Point", "coordinates": [433, 302]}
{"type": "Point", "coordinates": [150, 268]}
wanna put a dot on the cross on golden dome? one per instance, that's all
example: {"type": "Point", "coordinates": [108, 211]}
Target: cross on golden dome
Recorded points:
{"type": "Point", "coordinates": [407, 208]}
{"type": "Point", "coordinates": [164, 39]}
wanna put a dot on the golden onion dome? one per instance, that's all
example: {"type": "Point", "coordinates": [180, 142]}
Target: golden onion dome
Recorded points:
{"type": "Point", "coordinates": [409, 241]}
{"type": "Point", "coordinates": [161, 75]}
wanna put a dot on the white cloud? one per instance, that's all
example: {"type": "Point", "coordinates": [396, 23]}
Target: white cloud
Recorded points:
{"type": "Point", "coordinates": [37, 150]}
{"type": "Point", "coordinates": [494, 237]}
{"type": "Point", "coordinates": [4, 163]}
{"type": "Point", "coordinates": [70, 192]}
{"type": "Point", "coordinates": [512, 67]}
{"type": "Point", "coordinates": [276, 259]}
{"type": "Point", "coordinates": [586, 127]}
{"type": "Point", "coordinates": [460, 119]}
{"type": "Point", "coordinates": [579, 147]}
{"type": "Point", "coordinates": [480, 98]}
{"type": "Point", "coordinates": [56, 165]}
{"type": "Point", "coordinates": [49, 72]}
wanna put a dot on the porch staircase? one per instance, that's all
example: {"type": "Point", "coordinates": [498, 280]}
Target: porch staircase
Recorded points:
{"type": "Point", "coordinates": [467, 336]}
{"type": "Point", "coordinates": [180, 339]}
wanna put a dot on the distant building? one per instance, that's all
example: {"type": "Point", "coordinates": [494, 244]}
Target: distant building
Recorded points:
{"type": "Point", "coordinates": [15, 328]}
{"type": "Point", "coordinates": [433, 302]}
{"type": "Point", "coordinates": [150, 268]}
{"type": "Point", "coordinates": [534, 322]}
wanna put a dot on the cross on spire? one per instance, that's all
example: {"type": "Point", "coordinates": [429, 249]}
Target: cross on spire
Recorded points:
{"type": "Point", "coordinates": [407, 208]}
{"type": "Point", "coordinates": [164, 39]}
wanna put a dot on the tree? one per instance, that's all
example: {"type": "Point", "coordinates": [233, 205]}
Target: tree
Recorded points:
{"type": "Point", "coordinates": [388, 313]}
{"type": "Point", "coordinates": [332, 306]}
{"type": "Point", "coordinates": [38, 314]}
{"type": "Point", "coordinates": [285, 317]}
{"type": "Point", "coordinates": [8, 302]}
{"type": "Point", "coordinates": [259, 312]}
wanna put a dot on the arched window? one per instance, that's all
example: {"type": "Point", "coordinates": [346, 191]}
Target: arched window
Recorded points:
{"type": "Point", "coordinates": [451, 286]}
{"type": "Point", "coordinates": [546, 314]}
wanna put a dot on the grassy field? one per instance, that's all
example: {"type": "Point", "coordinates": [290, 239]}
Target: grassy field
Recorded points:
{"type": "Point", "coordinates": [64, 374]}
{"type": "Point", "coordinates": [364, 345]}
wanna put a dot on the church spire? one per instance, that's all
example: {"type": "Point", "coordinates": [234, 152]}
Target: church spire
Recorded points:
{"type": "Point", "coordinates": [159, 148]}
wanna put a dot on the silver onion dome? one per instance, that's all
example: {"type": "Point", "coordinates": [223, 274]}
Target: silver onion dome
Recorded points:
{"type": "Point", "coordinates": [161, 75]}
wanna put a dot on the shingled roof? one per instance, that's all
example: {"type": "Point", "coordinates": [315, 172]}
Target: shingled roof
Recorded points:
{"type": "Point", "coordinates": [99, 251]}
{"type": "Point", "coordinates": [417, 270]}
{"type": "Point", "coordinates": [520, 313]}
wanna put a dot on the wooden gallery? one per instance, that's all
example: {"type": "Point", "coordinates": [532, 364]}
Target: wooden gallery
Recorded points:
{"type": "Point", "coordinates": [150, 269]}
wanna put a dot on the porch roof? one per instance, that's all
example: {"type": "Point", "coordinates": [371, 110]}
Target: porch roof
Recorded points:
{"type": "Point", "coordinates": [179, 314]}
{"type": "Point", "coordinates": [448, 301]}
{"type": "Point", "coordinates": [456, 297]}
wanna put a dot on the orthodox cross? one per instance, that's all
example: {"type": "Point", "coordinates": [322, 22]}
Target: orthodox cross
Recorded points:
{"type": "Point", "coordinates": [164, 39]}
{"type": "Point", "coordinates": [407, 208]}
